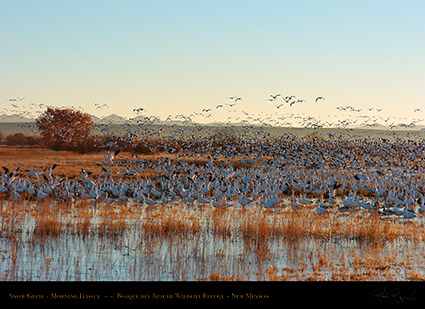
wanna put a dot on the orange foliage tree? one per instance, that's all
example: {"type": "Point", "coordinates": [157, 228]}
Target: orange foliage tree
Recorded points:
{"type": "Point", "coordinates": [65, 129]}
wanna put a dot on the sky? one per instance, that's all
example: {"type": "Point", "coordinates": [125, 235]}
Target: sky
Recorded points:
{"type": "Point", "coordinates": [178, 57]}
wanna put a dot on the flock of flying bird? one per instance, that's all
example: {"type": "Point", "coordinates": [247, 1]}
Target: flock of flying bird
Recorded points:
{"type": "Point", "coordinates": [346, 116]}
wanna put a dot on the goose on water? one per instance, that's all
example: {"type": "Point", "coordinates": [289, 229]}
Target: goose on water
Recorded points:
{"type": "Point", "coordinates": [321, 210]}
{"type": "Point", "coordinates": [407, 213]}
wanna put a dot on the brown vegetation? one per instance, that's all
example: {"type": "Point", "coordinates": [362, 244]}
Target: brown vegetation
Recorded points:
{"type": "Point", "coordinates": [21, 139]}
{"type": "Point", "coordinates": [65, 129]}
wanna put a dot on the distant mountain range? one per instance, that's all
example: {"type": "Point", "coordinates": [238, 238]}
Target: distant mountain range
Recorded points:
{"type": "Point", "coordinates": [116, 119]}
{"type": "Point", "coordinates": [113, 118]}
{"type": "Point", "coordinates": [15, 118]}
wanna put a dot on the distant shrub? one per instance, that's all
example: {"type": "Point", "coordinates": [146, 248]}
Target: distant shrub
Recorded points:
{"type": "Point", "coordinates": [21, 139]}
{"type": "Point", "coordinates": [142, 147]}
{"type": "Point", "coordinates": [16, 139]}
{"type": "Point", "coordinates": [86, 145]}
{"type": "Point", "coordinates": [32, 140]}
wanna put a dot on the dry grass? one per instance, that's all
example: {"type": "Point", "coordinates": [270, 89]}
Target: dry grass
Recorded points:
{"type": "Point", "coordinates": [170, 221]}
{"type": "Point", "coordinates": [69, 164]}
{"type": "Point", "coordinates": [47, 222]}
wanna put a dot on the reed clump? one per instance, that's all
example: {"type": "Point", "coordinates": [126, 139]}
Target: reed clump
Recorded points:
{"type": "Point", "coordinates": [11, 219]}
{"type": "Point", "coordinates": [291, 226]}
{"type": "Point", "coordinates": [113, 221]}
{"type": "Point", "coordinates": [170, 221]}
{"type": "Point", "coordinates": [222, 224]}
{"type": "Point", "coordinates": [48, 221]}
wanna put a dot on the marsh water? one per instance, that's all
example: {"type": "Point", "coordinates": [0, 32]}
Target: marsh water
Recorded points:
{"type": "Point", "coordinates": [198, 246]}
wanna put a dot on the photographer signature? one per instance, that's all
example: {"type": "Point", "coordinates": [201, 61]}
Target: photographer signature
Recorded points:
{"type": "Point", "coordinates": [383, 295]}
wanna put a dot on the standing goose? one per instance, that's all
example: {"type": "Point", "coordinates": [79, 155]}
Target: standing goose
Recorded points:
{"type": "Point", "coordinates": [321, 208]}
{"type": "Point", "coordinates": [408, 214]}
{"type": "Point", "coordinates": [107, 171]}
{"type": "Point", "coordinates": [49, 172]}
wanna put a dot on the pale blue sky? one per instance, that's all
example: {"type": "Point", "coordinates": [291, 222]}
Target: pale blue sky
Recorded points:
{"type": "Point", "coordinates": [177, 57]}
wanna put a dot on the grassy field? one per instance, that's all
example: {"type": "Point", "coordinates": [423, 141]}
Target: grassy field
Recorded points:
{"type": "Point", "coordinates": [69, 164]}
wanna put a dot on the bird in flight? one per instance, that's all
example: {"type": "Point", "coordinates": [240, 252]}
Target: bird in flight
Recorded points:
{"type": "Point", "coordinates": [235, 98]}
{"type": "Point", "coordinates": [319, 98]}
{"type": "Point", "coordinates": [140, 109]}
{"type": "Point", "coordinates": [111, 155]}
{"type": "Point", "coordinates": [417, 110]}
{"type": "Point", "coordinates": [16, 99]}
{"type": "Point", "coordinates": [275, 96]}
{"type": "Point", "coordinates": [100, 106]}
{"type": "Point", "coordinates": [289, 98]}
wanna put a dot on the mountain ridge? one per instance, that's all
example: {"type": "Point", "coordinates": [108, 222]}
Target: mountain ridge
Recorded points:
{"type": "Point", "coordinates": [117, 119]}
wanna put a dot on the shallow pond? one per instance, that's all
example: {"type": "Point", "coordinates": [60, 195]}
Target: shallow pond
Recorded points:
{"type": "Point", "coordinates": [54, 242]}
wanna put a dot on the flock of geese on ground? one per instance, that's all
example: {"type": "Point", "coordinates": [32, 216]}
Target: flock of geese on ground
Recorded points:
{"type": "Point", "coordinates": [380, 176]}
